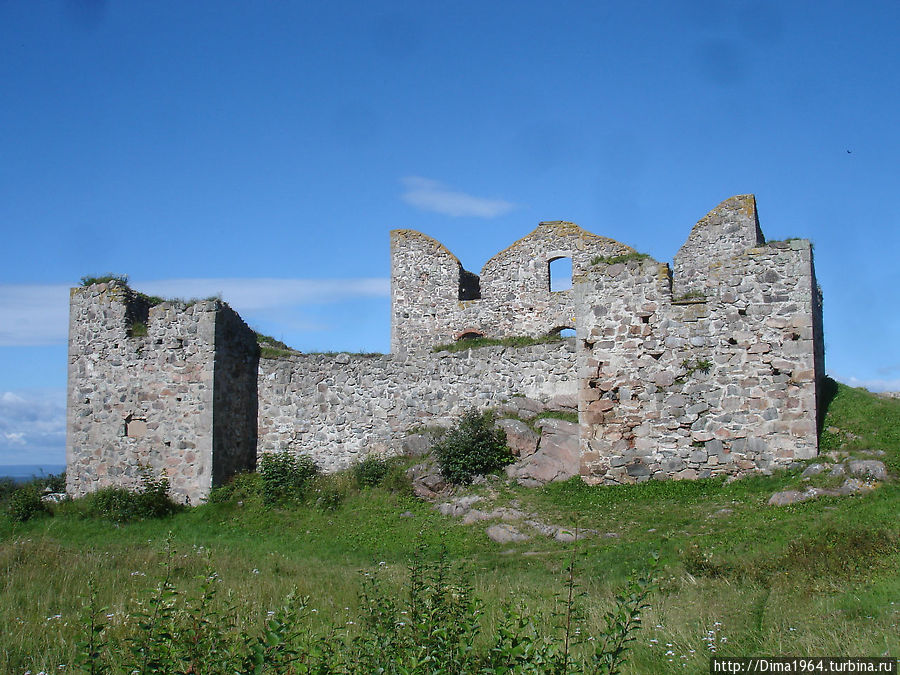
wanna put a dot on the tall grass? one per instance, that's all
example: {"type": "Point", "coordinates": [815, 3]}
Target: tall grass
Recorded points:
{"type": "Point", "coordinates": [736, 575]}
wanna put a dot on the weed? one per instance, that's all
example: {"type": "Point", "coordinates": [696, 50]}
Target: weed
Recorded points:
{"type": "Point", "coordinates": [701, 365]}
{"type": "Point", "coordinates": [137, 329]}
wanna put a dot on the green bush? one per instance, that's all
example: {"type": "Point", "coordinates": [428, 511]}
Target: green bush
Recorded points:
{"type": "Point", "coordinates": [151, 500]}
{"type": "Point", "coordinates": [25, 503]}
{"type": "Point", "coordinates": [285, 476]}
{"type": "Point", "coordinates": [473, 447]}
{"type": "Point", "coordinates": [371, 471]}
{"type": "Point", "coordinates": [244, 486]}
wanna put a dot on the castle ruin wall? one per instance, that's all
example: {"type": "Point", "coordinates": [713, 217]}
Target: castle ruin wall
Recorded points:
{"type": "Point", "coordinates": [713, 367]}
{"type": "Point", "coordinates": [723, 383]}
{"type": "Point", "coordinates": [142, 390]}
{"type": "Point", "coordinates": [429, 284]}
{"type": "Point", "coordinates": [338, 409]}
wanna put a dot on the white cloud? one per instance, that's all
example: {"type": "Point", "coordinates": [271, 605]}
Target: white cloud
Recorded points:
{"type": "Point", "coordinates": [33, 426]}
{"type": "Point", "coordinates": [38, 314]}
{"type": "Point", "coordinates": [432, 195]}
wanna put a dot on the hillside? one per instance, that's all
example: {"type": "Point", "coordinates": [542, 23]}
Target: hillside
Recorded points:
{"type": "Point", "coordinates": [737, 575]}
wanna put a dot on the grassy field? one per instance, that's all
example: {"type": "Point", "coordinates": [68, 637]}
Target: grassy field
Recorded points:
{"type": "Point", "coordinates": [737, 576]}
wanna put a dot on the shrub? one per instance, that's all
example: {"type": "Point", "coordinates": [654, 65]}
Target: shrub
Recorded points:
{"type": "Point", "coordinates": [243, 486]}
{"type": "Point", "coordinates": [285, 476]}
{"type": "Point", "coordinates": [151, 500]}
{"type": "Point", "coordinates": [473, 447]}
{"type": "Point", "coordinates": [371, 471]}
{"type": "Point", "coordinates": [25, 503]}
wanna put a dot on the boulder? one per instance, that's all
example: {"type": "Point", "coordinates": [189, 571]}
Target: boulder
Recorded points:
{"type": "Point", "coordinates": [787, 497]}
{"type": "Point", "coordinates": [505, 534]}
{"type": "Point", "coordinates": [416, 445]}
{"type": "Point", "coordinates": [557, 456]}
{"type": "Point", "coordinates": [813, 470]}
{"type": "Point", "coordinates": [563, 403]}
{"type": "Point", "coordinates": [519, 437]}
{"type": "Point", "coordinates": [526, 408]}
{"type": "Point", "coordinates": [871, 468]}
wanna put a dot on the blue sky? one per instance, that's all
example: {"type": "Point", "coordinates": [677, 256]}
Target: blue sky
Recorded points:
{"type": "Point", "coordinates": [264, 151]}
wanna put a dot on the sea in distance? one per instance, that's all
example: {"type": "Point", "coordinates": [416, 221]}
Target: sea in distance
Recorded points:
{"type": "Point", "coordinates": [21, 473]}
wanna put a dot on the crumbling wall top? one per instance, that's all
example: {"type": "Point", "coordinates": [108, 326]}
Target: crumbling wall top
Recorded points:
{"type": "Point", "coordinates": [728, 230]}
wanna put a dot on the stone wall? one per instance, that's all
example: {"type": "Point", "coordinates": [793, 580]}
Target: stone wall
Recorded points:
{"type": "Point", "coordinates": [728, 230]}
{"type": "Point", "coordinates": [142, 389]}
{"type": "Point", "coordinates": [432, 295]}
{"type": "Point", "coordinates": [725, 383]}
{"type": "Point", "coordinates": [339, 408]}
{"type": "Point", "coordinates": [235, 405]}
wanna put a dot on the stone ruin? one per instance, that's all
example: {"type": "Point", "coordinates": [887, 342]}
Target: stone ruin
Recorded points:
{"type": "Point", "coordinates": [709, 367]}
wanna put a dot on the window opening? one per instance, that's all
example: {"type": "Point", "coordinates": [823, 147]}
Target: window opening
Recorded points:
{"type": "Point", "coordinates": [469, 335]}
{"type": "Point", "coordinates": [560, 274]}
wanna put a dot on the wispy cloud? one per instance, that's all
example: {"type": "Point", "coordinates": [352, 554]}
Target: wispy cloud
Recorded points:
{"type": "Point", "coordinates": [33, 427]}
{"type": "Point", "coordinates": [432, 195]}
{"type": "Point", "coordinates": [38, 314]}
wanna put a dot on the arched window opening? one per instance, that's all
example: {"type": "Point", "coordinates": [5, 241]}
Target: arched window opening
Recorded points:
{"type": "Point", "coordinates": [560, 274]}
{"type": "Point", "coordinates": [563, 332]}
{"type": "Point", "coordinates": [469, 335]}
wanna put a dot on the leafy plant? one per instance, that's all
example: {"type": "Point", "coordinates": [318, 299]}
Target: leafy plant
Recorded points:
{"type": "Point", "coordinates": [691, 367]}
{"type": "Point", "coordinates": [151, 500]}
{"type": "Point", "coordinates": [25, 503]}
{"type": "Point", "coordinates": [285, 476]}
{"type": "Point", "coordinates": [371, 471]}
{"type": "Point", "coordinates": [624, 620]}
{"type": "Point", "coordinates": [473, 447]}
{"type": "Point", "coordinates": [242, 486]}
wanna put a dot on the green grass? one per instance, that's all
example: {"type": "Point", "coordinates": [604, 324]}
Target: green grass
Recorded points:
{"type": "Point", "coordinates": [690, 295]}
{"type": "Point", "coordinates": [270, 348]}
{"type": "Point", "coordinates": [104, 279]}
{"type": "Point", "coordinates": [624, 258]}
{"type": "Point", "coordinates": [810, 579]}
{"type": "Point", "coordinates": [517, 341]}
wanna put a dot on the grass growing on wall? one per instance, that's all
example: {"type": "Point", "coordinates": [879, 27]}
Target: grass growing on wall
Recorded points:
{"type": "Point", "coordinates": [736, 575]}
{"type": "Point", "coordinates": [516, 341]}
